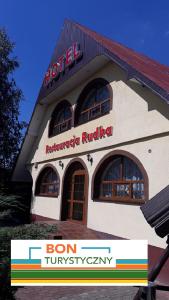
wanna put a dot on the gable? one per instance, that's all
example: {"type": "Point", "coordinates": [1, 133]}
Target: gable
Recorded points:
{"type": "Point", "coordinates": [95, 51]}
{"type": "Point", "coordinates": [91, 44]}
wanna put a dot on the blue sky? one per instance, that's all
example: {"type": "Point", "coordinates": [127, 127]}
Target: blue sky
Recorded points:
{"type": "Point", "coordinates": [34, 26]}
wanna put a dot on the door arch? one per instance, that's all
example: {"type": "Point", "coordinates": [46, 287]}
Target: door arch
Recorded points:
{"type": "Point", "coordinates": [75, 193]}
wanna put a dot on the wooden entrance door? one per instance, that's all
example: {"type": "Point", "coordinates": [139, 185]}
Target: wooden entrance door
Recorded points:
{"type": "Point", "coordinates": [76, 197]}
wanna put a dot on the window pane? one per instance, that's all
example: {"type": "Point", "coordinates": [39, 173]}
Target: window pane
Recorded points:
{"type": "Point", "coordinates": [54, 176]}
{"type": "Point", "coordinates": [47, 177]}
{"type": "Point", "coordinates": [105, 107]}
{"type": "Point", "coordinates": [113, 170]}
{"type": "Point", "coordinates": [69, 124]}
{"type": "Point", "coordinates": [138, 190]}
{"type": "Point", "coordinates": [60, 116]}
{"type": "Point", "coordinates": [49, 182]}
{"type": "Point", "coordinates": [78, 187]}
{"type": "Point", "coordinates": [89, 100]}
{"type": "Point", "coordinates": [67, 113]}
{"type": "Point", "coordinates": [121, 178]}
{"type": "Point", "coordinates": [50, 188]}
{"type": "Point", "coordinates": [94, 112]}
{"type": "Point", "coordinates": [107, 190]}
{"type": "Point", "coordinates": [102, 94]}
{"type": "Point", "coordinates": [122, 190]}
{"type": "Point", "coordinates": [56, 188]}
{"type": "Point", "coordinates": [77, 211]}
{"type": "Point", "coordinates": [63, 126]}
{"type": "Point", "coordinates": [84, 117]}
{"type": "Point", "coordinates": [42, 189]}
{"type": "Point", "coordinates": [131, 171]}
{"type": "Point", "coordinates": [56, 130]}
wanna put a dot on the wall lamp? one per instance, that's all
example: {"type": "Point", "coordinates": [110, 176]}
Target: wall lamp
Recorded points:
{"type": "Point", "coordinates": [61, 164]}
{"type": "Point", "coordinates": [90, 158]}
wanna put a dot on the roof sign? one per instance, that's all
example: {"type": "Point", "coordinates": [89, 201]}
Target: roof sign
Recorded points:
{"type": "Point", "coordinates": [71, 55]}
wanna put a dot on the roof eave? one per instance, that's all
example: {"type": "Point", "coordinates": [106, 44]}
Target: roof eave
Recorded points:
{"type": "Point", "coordinates": [133, 73]}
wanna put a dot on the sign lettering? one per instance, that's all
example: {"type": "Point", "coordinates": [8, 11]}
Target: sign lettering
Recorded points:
{"type": "Point", "coordinates": [72, 54]}
{"type": "Point", "coordinates": [98, 134]}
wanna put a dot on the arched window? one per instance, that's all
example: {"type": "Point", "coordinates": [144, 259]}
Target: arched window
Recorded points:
{"type": "Point", "coordinates": [94, 101]}
{"type": "Point", "coordinates": [120, 179]}
{"type": "Point", "coordinates": [61, 119]}
{"type": "Point", "coordinates": [47, 183]}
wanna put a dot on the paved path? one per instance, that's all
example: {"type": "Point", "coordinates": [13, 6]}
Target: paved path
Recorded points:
{"type": "Point", "coordinates": [76, 293]}
{"type": "Point", "coordinates": [80, 293]}
{"type": "Point", "coordinates": [71, 230]}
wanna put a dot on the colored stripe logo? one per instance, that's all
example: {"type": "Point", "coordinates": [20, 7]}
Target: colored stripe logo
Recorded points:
{"type": "Point", "coordinates": [76, 267]}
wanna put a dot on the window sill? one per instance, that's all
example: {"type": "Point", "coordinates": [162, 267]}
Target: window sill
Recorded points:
{"type": "Point", "coordinates": [47, 195]}
{"type": "Point", "coordinates": [121, 201]}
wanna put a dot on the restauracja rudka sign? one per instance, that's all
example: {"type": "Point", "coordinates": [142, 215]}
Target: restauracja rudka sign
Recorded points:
{"type": "Point", "coordinates": [98, 134]}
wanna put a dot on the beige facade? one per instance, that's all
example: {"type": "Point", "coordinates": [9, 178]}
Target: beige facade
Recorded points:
{"type": "Point", "coordinates": [140, 122]}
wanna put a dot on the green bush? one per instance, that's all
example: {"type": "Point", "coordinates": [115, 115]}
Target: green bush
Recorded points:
{"type": "Point", "coordinates": [14, 210]}
{"type": "Point", "coordinates": [24, 232]}
{"type": "Point", "coordinates": [11, 201]}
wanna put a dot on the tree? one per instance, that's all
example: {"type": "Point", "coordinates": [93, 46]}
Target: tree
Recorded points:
{"type": "Point", "coordinates": [10, 97]}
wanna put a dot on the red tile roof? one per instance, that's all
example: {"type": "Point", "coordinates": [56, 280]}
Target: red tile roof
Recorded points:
{"type": "Point", "coordinates": [151, 69]}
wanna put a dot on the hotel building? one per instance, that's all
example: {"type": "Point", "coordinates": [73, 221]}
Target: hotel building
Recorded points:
{"type": "Point", "coordinates": [97, 144]}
